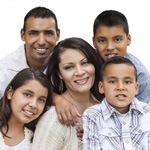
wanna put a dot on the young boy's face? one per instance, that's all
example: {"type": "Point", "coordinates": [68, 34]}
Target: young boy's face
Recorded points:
{"type": "Point", "coordinates": [111, 41]}
{"type": "Point", "coordinates": [119, 85]}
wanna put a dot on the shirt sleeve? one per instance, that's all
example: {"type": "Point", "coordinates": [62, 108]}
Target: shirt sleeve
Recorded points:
{"type": "Point", "coordinates": [90, 135]}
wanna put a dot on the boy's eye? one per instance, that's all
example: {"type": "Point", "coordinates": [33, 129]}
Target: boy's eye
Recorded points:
{"type": "Point", "coordinates": [42, 100]}
{"type": "Point", "coordinates": [101, 40]}
{"type": "Point", "coordinates": [117, 39]}
{"type": "Point", "coordinates": [128, 82]}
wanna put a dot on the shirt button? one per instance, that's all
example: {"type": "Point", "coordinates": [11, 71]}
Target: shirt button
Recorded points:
{"type": "Point", "coordinates": [109, 134]}
{"type": "Point", "coordinates": [124, 123]}
{"type": "Point", "coordinates": [127, 141]}
{"type": "Point", "coordinates": [140, 131]}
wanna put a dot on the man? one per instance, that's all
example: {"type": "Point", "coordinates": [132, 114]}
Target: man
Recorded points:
{"type": "Point", "coordinates": [40, 33]}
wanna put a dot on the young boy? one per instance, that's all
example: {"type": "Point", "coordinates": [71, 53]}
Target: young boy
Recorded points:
{"type": "Point", "coordinates": [111, 38]}
{"type": "Point", "coordinates": [121, 121]}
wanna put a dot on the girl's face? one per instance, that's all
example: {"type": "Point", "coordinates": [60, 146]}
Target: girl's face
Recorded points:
{"type": "Point", "coordinates": [76, 71]}
{"type": "Point", "coordinates": [27, 102]}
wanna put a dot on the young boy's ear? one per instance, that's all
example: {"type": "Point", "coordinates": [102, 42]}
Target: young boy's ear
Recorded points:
{"type": "Point", "coordinates": [100, 87]}
{"type": "Point", "coordinates": [9, 93]}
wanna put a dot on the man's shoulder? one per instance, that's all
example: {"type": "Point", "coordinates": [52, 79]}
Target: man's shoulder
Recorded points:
{"type": "Point", "coordinates": [14, 59]}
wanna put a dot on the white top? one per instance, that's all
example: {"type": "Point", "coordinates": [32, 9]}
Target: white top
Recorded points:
{"type": "Point", "coordinates": [24, 145]}
{"type": "Point", "coordinates": [20, 146]}
{"type": "Point", "coordinates": [50, 134]}
{"type": "Point", "coordinates": [10, 66]}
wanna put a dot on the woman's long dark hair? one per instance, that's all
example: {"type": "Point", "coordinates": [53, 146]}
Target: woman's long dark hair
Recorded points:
{"type": "Point", "coordinates": [87, 50]}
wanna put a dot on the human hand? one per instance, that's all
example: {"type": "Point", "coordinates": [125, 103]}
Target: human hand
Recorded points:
{"type": "Point", "coordinates": [79, 129]}
{"type": "Point", "coordinates": [67, 112]}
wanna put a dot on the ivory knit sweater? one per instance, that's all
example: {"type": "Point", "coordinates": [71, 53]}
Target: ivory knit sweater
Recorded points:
{"type": "Point", "coordinates": [50, 134]}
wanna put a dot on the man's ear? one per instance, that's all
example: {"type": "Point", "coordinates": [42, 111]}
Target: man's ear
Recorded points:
{"type": "Point", "coordinates": [100, 87]}
{"type": "Point", "coordinates": [10, 93]}
{"type": "Point", "coordinates": [22, 33]}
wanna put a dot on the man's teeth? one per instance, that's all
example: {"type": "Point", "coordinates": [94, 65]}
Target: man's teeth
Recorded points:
{"type": "Point", "coordinates": [41, 50]}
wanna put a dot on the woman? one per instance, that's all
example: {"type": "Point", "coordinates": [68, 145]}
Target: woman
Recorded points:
{"type": "Point", "coordinates": [73, 70]}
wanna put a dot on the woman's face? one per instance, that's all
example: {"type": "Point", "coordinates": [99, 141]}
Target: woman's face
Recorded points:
{"type": "Point", "coordinates": [76, 71]}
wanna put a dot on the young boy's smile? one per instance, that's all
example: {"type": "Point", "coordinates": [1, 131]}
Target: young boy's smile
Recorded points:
{"type": "Point", "coordinates": [111, 41]}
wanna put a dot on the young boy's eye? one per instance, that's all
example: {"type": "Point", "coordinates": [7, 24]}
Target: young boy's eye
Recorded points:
{"type": "Point", "coordinates": [128, 82]}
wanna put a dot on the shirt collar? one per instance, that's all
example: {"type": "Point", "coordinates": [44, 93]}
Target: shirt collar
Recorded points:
{"type": "Point", "coordinates": [108, 110]}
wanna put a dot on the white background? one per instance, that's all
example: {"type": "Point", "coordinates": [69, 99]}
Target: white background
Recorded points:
{"type": "Point", "coordinates": [75, 18]}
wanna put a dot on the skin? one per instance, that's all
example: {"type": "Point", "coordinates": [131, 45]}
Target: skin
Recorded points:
{"type": "Point", "coordinates": [111, 41]}
{"type": "Point", "coordinates": [78, 75]}
{"type": "Point", "coordinates": [75, 70]}
{"type": "Point", "coordinates": [119, 88]}
{"type": "Point", "coordinates": [40, 38]}
{"type": "Point", "coordinates": [27, 102]}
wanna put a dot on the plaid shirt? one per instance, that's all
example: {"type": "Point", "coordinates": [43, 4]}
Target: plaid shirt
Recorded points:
{"type": "Point", "coordinates": [107, 129]}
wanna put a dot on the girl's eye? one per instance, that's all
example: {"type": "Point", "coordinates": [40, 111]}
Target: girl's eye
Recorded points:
{"type": "Point", "coordinates": [85, 62]}
{"type": "Point", "coordinates": [111, 81]}
{"type": "Point", "coordinates": [27, 94]}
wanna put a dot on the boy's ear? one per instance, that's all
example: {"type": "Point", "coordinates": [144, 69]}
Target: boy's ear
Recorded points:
{"type": "Point", "coordinates": [100, 87]}
{"type": "Point", "coordinates": [10, 93]}
{"type": "Point", "coordinates": [129, 39]}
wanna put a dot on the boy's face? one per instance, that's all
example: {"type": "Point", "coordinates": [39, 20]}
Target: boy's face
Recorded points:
{"type": "Point", "coordinates": [119, 85]}
{"type": "Point", "coordinates": [111, 41]}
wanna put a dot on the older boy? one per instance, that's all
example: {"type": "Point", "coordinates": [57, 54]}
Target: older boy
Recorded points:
{"type": "Point", "coordinates": [111, 38]}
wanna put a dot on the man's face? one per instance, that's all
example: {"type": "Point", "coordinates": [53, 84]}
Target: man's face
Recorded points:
{"type": "Point", "coordinates": [40, 38]}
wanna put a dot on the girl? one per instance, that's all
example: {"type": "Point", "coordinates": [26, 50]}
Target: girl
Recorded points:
{"type": "Point", "coordinates": [26, 98]}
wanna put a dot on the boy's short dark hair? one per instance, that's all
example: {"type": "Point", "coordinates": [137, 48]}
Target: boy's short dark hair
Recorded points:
{"type": "Point", "coordinates": [117, 60]}
{"type": "Point", "coordinates": [111, 18]}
